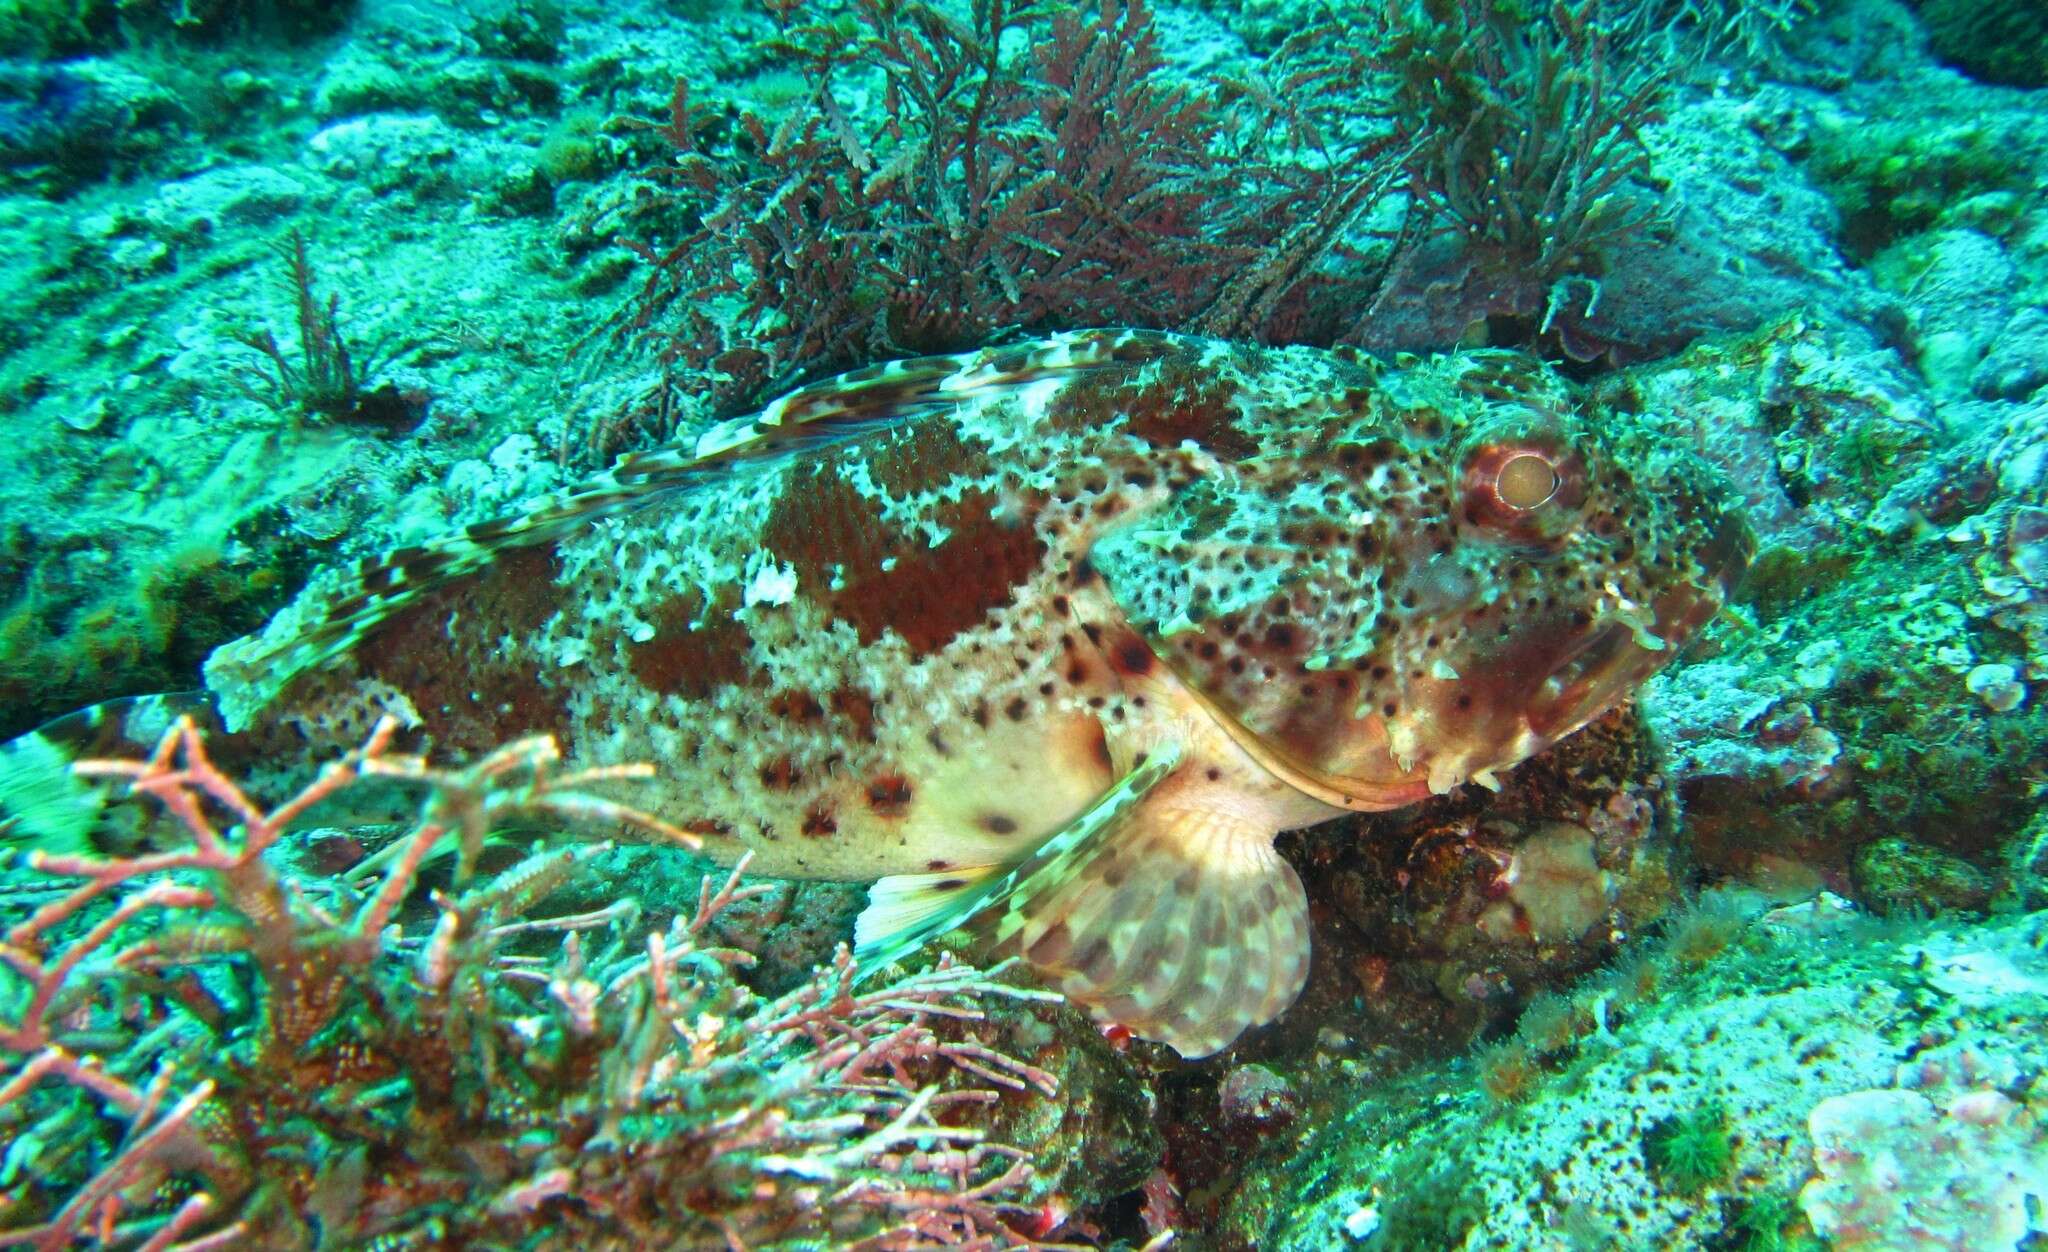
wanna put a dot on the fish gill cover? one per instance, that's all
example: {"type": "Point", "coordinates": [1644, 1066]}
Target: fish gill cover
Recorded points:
{"type": "Point", "coordinates": [1059, 447]}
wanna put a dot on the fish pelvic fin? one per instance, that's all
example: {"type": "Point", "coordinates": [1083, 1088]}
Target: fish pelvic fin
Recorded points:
{"type": "Point", "coordinates": [906, 911]}
{"type": "Point", "coordinates": [1186, 928]}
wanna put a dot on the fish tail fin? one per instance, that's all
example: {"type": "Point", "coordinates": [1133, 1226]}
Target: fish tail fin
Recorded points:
{"type": "Point", "coordinates": [44, 804]}
{"type": "Point", "coordinates": [1181, 924]}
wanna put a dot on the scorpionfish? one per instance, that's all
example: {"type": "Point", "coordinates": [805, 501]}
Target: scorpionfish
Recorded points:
{"type": "Point", "coordinates": [1051, 639]}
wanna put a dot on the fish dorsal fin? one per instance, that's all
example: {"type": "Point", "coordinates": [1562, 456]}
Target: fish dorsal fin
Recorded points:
{"type": "Point", "coordinates": [1175, 920]}
{"type": "Point", "coordinates": [344, 605]}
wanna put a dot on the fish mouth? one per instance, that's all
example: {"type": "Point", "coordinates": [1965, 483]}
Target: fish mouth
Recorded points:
{"type": "Point", "coordinates": [1621, 652]}
{"type": "Point", "coordinates": [1591, 678]}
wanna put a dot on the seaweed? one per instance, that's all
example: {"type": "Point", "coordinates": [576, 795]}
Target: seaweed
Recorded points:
{"type": "Point", "coordinates": [1009, 185]}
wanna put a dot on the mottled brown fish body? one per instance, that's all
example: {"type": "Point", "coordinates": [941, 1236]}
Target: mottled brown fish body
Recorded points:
{"type": "Point", "coordinates": [956, 616]}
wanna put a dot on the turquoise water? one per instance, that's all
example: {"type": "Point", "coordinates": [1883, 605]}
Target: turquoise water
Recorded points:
{"type": "Point", "coordinates": [1432, 612]}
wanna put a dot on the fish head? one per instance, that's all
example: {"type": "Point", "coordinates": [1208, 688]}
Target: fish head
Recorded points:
{"type": "Point", "coordinates": [1449, 573]}
{"type": "Point", "coordinates": [1568, 564]}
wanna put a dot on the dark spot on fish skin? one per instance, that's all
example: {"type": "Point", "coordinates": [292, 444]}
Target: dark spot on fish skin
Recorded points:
{"type": "Point", "coordinates": [707, 826]}
{"type": "Point", "coordinates": [935, 866]}
{"type": "Point", "coordinates": [1180, 400]}
{"type": "Point", "coordinates": [687, 662]}
{"type": "Point", "coordinates": [980, 713]}
{"type": "Point", "coordinates": [780, 774]}
{"type": "Point", "coordinates": [1132, 658]}
{"type": "Point", "coordinates": [999, 824]}
{"type": "Point", "coordinates": [796, 706]}
{"type": "Point", "coordinates": [446, 646]}
{"type": "Point", "coordinates": [858, 708]}
{"type": "Point", "coordinates": [949, 884]}
{"type": "Point", "coordinates": [1360, 459]}
{"type": "Point", "coordinates": [1014, 710]}
{"type": "Point", "coordinates": [889, 795]}
{"type": "Point", "coordinates": [819, 822]}
{"type": "Point", "coordinates": [1077, 673]}
{"type": "Point", "coordinates": [938, 742]}
{"type": "Point", "coordinates": [923, 456]}
{"type": "Point", "coordinates": [823, 526]}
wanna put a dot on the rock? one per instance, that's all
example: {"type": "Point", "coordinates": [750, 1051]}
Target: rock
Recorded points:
{"type": "Point", "coordinates": [83, 121]}
{"type": "Point", "coordinates": [2016, 365]}
{"type": "Point", "coordinates": [241, 195]}
{"type": "Point", "coordinates": [1894, 874]}
{"type": "Point", "coordinates": [1254, 1093]}
{"type": "Point", "coordinates": [388, 151]}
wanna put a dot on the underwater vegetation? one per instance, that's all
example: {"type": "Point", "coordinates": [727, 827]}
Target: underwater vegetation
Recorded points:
{"type": "Point", "coordinates": [323, 377]}
{"type": "Point", "coordinates": [1074, 186]}
{"type": "Point", "coordinates": [1755, 963]}
{"type": "Point", "coordinates": [2000, 41]}
{"type": "Point", "coordinates": [220, 1060]}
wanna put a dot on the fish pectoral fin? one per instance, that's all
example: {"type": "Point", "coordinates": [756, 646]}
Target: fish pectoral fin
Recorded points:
{"type": "Point", "coordinates": [1184, 926]}
{"type": "Point", "coordinates": [907, 910]}
{"type": "Point", "coordinates": [1178, 922]}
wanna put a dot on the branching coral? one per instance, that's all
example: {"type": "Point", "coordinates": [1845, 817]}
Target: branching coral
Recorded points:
{"type": "Point", "coordinates": [1755, 28]}
{"type": "Point", "coordinates": [1030, 168]}
{"type": "Point", "coordinates": [195, 1047]}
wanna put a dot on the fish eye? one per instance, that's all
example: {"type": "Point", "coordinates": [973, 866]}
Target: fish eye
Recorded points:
{"type": "Point", "coordinates": [1524, 486]}
{"type": "Point", "coordinates": [1525, 481]}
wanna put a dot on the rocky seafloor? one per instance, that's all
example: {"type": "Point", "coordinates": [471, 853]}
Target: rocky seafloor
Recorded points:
{"type": "Point", "coordinates": [1755, 963]}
